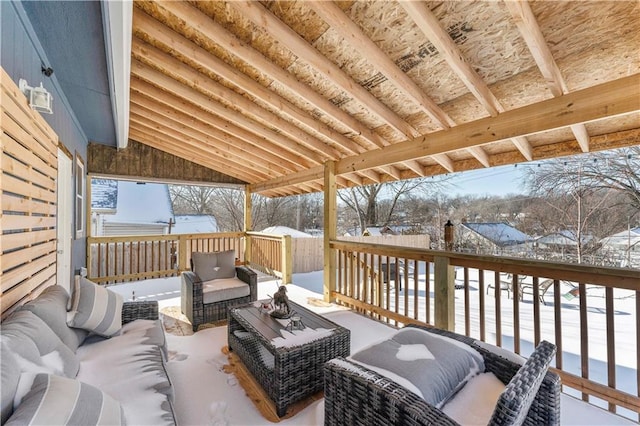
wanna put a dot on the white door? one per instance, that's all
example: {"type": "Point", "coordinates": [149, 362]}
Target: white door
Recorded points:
{"type": "Point", "coordinates": [65, 218]}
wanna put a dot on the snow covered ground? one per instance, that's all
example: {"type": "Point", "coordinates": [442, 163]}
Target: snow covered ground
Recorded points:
{"type": "Point", "coordinates": [205, 395]}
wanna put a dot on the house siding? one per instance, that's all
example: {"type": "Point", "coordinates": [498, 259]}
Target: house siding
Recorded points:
{"type": "Point", "coordinates": [21, 56]}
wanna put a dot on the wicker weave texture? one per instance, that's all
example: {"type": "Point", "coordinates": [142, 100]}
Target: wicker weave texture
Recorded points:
{"type": "Point", "coordinates": [192, 298]}
{"type": "Point", "coordinates": [297, 372]}
{"type": "Point", "coordinates": [355, 395]}
{"type": "Point", "coordinates": [132, 311]}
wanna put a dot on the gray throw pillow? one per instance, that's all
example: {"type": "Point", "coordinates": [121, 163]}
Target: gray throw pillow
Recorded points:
{"type": "Point", "coordinates": [212, 266]}
{"type": "Point", "coordinates": [62, 401]}
{"type": "Point", "coordinates": [51, 307]}
{"type": "Point", "coordinates": [30, 338]}
{"type": "Point", "coordinates": [95, 308]}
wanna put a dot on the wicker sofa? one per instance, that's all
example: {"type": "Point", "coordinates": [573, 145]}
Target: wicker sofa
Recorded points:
{"type": "Point", "coordinates": [53, 373]}
{"type": "Point", "coordinates": [214, 285]}
{"type": "Point", "coordinates": [356, 395]}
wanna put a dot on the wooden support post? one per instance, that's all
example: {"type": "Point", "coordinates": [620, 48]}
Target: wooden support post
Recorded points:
{"type": "Point", "coordinates": [287, 260]}
{"type": "Point", "coordinates": [330, 224]}
{"type": "Point", "coordinates": [444, 282]}
{"type": "Point", "coordinates": [182, 254]}
{"type": "Point", "coordinates": [247, 225]}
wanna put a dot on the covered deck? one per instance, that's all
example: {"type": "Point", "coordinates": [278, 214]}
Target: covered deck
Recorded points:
{"type": "Point", "coordinates": [205, 393]}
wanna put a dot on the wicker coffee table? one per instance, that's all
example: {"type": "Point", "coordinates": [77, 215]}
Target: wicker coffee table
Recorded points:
{"type": "Point", "coordinates": [291, 372]}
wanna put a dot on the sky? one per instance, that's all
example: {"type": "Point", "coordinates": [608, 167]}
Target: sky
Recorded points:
{"type": "Point", "coordinates": [500, 180]}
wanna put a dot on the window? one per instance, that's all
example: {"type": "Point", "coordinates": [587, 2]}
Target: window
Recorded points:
{"type": "Point", "coordinates": [80, 196]}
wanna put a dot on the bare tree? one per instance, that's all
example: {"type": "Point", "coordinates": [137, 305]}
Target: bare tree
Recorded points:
{"type": "Point", "coordinates": [190, 199]}
{"type": "Point", "coordinates": [575, 204]}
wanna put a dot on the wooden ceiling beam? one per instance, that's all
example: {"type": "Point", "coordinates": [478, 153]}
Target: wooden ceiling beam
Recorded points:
{"type": "Point", "coordinates": [438, 36]}
{"type": "Point", "coordinates": [196, 155]}
{"type": "Point", "coordinates": [444, 161]}
{"type": "Point", "coordinates": [221, 164]}
{"type": "Point", "coordinates": [182, 110]}
{"type": "Point", "coordinates": [340, 22]}
{"type": "Point", "coordinates": [480, 155]}
{"type": "Point", "coordinates": [290, 39]}
{"type": "Point", "coordinates": [264, 135]}
{"type": "Point", "coordinates": [178, 43]}
{"type": "Point", "coordinates": [221, 149]}
{"type": "Point", "coordinates": [283, 181]}
{"type": "Point", "coordinates": [236, 47]}
{"type": "Point", "coordinates": [532, 34]}
{"type": "Point", "coordinates": [300, 142]}
{"type": "Point", "coordinates": [430, 26]}
{"type": "Point", "coordinates": [609, 99]}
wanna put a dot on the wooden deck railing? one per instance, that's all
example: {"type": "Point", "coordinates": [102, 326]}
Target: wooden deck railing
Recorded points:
{"type": "Point", "coordinates": [271, 254]}
{"type": "Point", "coordinates": [587, 309]}
{"type": "Point", "coordinates": [131, 258]}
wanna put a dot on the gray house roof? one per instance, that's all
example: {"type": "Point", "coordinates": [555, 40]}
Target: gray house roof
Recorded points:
{"type": "Point", "coordinates": [500, 234]}
{"type": "Point", "coordinates": [132, 202]}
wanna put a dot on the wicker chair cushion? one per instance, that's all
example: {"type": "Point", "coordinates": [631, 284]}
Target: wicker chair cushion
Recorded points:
{"type": "Point", "coordinates": [51, 307]}
{"type": "Point", "coordinates": [60, 400]}
{"type": "Point", "coordinates": [95, 308]}
{"type": "Point", "coordinates": [432, 366]}
{"type": "Point", "coordinates": [211, 266]}
{"type": "Point", "coordinates": [224, 289]}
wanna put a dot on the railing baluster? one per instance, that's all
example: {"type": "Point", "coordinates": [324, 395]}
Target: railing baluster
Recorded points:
{"type": "Point", "coordinates": [536, 311]}
{"type": "Point", "coordinates": [427, 289]}
{"type": "Point", "coordinates": [611, 342]}
{"type": "Point", "coordinates": [557, 306]}
{"type": "Point", "coordinates": [483, 326]}
{"type": "Point", "coordinates": [467, 303]}
{"type": "Point", "coordinates": [516, 314]}
{"type": "Point", "coordinates": [497, 292]}
{"type": "Point", "coordinates": [416, 291]}
{"type": "Point", "coordinates": [584, 336]}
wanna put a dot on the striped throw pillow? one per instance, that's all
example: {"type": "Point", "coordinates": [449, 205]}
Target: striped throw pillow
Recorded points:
{"type": "Point", "coordinates": [95, 308]}
{"type": "Point", "coordinates": [56, 400]}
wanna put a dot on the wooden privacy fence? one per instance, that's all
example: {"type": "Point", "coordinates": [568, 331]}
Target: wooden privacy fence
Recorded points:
{"type": "Point", "coordinates": [29, 150]}
{"type": "Point", "coordinates": [131, 258]}
{"type": "Point", "coordinates": [308, 253]}
{"type": "Point", "coordinates": [514, 303]}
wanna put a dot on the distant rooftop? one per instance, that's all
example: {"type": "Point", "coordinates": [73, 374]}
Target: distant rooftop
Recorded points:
{"type": "Point", "coordinates": [501, 234]}
{"type": "Point", "coordinates": [194, 224]}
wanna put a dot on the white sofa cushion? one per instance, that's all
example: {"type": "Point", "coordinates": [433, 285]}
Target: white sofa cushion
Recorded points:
{"type": "Point", "coordinates": [224, 289]}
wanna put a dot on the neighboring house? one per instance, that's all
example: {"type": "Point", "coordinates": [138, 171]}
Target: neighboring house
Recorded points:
{"type": "Point", "coordinates": [130, 208]}
{"type": "Point", "coordinates": [374, 231]}
{"type": "Point", "coordinates": [562, 241]}
{"type": "Point", "coordinates": [194, 224]}
{"type": "Point", "coordinates": [284, 230]}
{"type": "Point", "coordinates": [624, 247]}
{"type": "Point", "coordinates": [497, 238]}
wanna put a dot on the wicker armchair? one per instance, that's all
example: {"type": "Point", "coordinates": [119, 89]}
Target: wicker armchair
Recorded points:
{"type": "Point", "coordinates": [194, 301]}
{"type": "Point", "coordinates": [355, 395]}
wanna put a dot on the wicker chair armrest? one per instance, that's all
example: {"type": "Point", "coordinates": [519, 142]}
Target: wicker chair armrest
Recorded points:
{"type": "Point", "coordinates": [357, 395]}
{"type": "Point", "coordinates": [514, 402]}
{"type": "Point", "coordinates": [132, 311]}
{"type": "Point", "coordinates": [250, 277]}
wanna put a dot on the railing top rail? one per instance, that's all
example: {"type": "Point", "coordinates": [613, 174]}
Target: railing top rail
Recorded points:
{"type": "Point", "coordinates": [607, 276]}
{"type": "Point", "coordinates": [266, 236]}
{"type": "Point", "coordinates": [168, 237]}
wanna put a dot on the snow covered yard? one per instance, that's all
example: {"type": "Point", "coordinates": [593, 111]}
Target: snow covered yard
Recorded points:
{"type": "Point", "coordinates": [206, 395]}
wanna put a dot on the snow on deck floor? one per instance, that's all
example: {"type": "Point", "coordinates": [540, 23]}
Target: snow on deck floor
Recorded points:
{"type": "Point", "coordinates": [205, 395]}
